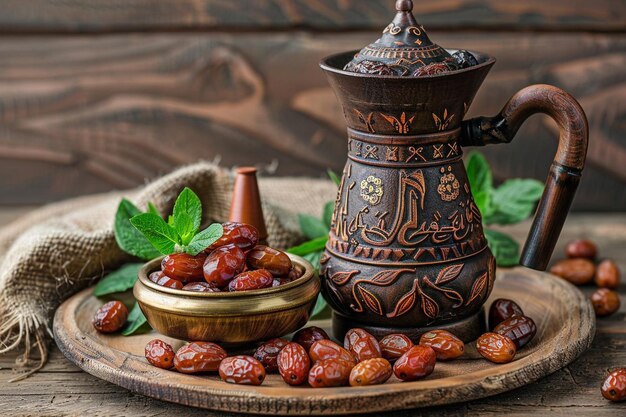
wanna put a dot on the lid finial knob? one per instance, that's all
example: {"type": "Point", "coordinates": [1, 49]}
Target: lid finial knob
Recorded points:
{"type": "Point", "coordinates": [404, 5]}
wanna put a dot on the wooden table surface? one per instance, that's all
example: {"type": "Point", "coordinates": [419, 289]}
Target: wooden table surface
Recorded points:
{"type": "Point", "coordinates": [63, 389]}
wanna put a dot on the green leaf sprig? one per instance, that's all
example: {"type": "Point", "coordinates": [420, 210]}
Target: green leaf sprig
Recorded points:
{"type": "Point", "coordinates": [147, 236]}
{"type": "Point", "coordinates": [181, 232]}
{"type": "Point", "coordinates": [118, 281]}
{"type": "Point", "coordinates": [128, 238]}
{"type": "Point", "coordinates": [510, 203]}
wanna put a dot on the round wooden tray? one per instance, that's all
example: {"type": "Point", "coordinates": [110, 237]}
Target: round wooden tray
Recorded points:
{"type": "Point", "coordinates": [565, 323]}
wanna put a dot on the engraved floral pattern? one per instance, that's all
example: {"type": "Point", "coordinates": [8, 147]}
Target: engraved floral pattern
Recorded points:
{"type": "Point", "coordinates": [372, 190]}
{"type": "Point", "coordinates": [449, 186]}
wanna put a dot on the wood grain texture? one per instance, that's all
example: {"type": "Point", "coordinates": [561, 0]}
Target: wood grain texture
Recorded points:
{"type": "Point", "coordinates": [61, 388]}
{"type": "Point", "coordinates": [565, 322]}
{"type": "Point", "coordinates": [84, 114]}
{"type": "Point", "coordinates": [118, 15]}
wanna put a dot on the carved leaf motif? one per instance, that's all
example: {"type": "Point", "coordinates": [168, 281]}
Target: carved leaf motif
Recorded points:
{"type": "Point", "coordinates": [324, 258]}
{"type": "Point", "coordinates": [448, 274]}
{"type": "Point", "coordinates": [342, 277]}
{"type": "Point", "coordinates": [437, 120]}
{"type": "Point", "coordinates": [334, 293]}
{"type": "Point", "coordinates": [370, 300]}
{"type": "Point", "coordinates": [448, 292]}
{"type": "Point", "coordinates": [429, 306]}
{"type": "Point", "coordinates": [477, 288]}
{"type": "Point", "coordinates": [385, 278]}
{"type": "Point", "coordinates": [391, 119]}
{"type": "Point", "coordinates": [406, 302]}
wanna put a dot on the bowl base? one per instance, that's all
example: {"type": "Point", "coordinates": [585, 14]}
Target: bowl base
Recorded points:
{"type": "Point", "coordinates": [467, 329]}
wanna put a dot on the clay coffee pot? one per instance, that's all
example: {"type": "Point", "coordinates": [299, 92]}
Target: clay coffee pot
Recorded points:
{"type": "Point", "coordinates": [406, 251]}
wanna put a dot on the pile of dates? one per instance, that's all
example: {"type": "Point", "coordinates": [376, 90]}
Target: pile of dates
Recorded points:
{"type": "Point", "coordinates": [233, 263]}
{"type": "Point", "coordinates": [580, 268]}
{"type": "Point", "coordinates": [312, 358]}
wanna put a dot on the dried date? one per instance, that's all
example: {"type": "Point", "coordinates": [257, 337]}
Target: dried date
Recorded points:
{"type": "Point", "coordinates": [244, 236]}
{"type": "Point", "coordinates": [501, 309]}
{"type": "Point", "coordinates": [607, 275]}
{"type": "Point", "coordinates": [294, 364]}
{"type": "Point", "coordinates": [268, 352]}
{"type": "Point", "coordinates": [159, 354]}
{"type": "Point", "coordinates": [275, 261]}
{"type": "Point", "coordinates": [199, 357]}
{"type": "Point", "coordinates": [446, 345]}
{"type": "Point", "coordinates": [110, 317]}
{"type": "Point", "coordinates": [309, 335]}
{"type": "Point", "coordinates": [183, 267]}
{"type": "Point", "coordinates": [581, 248]}
{"type": "Point", "coordinates": [333, 372]}
{"type": "Point", "coordinates": [578, 271]}
{"type": "Point", "coordinates": [417, 363]}
{"type": "Point", "coordinates": [295, 272]}
{"type": "Point", "coordinates": [251, 280]}
{"type": "Point", "coordinates": [496, 348]}
{"type": "Point", "coordinates": [520, 329]}
{"type": "Point", "coordinates": [223, 264]}
{"type": "Point", "coordinates": [242, 369]}
{"type": "Point", "coordinates": [614, 386]}
{"type": "Point", "coordinates": [370, 372]}
{"type": "Point", "coordinates": [395, 345]}
{"type": "Point", "coordinates": [361, 344]}
{"type": "Point", "coordinates": [605, 302]}
{"type": "Point", "coordinates": [156, 276]}
{"type": "Point", "coordinates": [327, 349]}
{"type": "Point", "coordinates": [168, 282]}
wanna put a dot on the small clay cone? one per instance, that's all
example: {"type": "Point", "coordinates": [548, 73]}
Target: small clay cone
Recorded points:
{"type": "Point", "coordinates": [245, 206]}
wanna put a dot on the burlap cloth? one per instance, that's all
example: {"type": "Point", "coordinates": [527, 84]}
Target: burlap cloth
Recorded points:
{"type": "Point", "coordinates": [54, 252]}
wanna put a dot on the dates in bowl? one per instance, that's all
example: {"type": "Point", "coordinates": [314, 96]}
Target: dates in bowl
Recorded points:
{"type": "Point", "coordinates": [234, 292]}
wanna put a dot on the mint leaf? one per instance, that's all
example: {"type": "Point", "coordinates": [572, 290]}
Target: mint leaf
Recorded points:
{"type": "Point", "coordinates": [152, 209]}
{"type": "Point", "coordinates": [185, 228]}
{"type": "Point", "coordinates": [514, 201]}
{"type": "Point", "coordinates": [479, 172]}
{"type": "Point", "coordinates": [314, 258]}
{"type": "Point", "coordinates": [128, 238]}
{"type": "Point", "coordinates": [311, 246]}
{"type": "Point", "coordinates": [160, 234]}
{"type": "Point", "coordinates": [119, 281]}
{"type": "Point", "coordinates": [204, 239]}
{"type": "Point", "coordinates": [187, 214]}
{"type": "Point", "coordinates": [136, 322]}
{"type": "Point", "coordinates": [481, 182]}
{"type": "Point", "coordinates": [312, 227]}
{"type": "Point", "coordinates": [503, 247]}
{"type": "Point", "coordinates": [334, 177]}
{"type": "Point", "coordinates": [328, 213]}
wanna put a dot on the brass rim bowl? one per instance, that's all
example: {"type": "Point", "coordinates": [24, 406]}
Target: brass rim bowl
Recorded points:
{"type": "Point", "coordinates": [228, 317]}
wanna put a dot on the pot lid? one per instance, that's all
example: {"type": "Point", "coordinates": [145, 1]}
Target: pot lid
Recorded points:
{"type": "Point", "coordinates": [406, 50]}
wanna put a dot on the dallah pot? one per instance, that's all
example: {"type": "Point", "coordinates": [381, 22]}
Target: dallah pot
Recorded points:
{"type": "Point", "coordinates": [406, 250]}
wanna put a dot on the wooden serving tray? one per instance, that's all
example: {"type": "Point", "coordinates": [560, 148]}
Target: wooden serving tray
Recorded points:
{"type": "Point", "coordinates": [565, 328]}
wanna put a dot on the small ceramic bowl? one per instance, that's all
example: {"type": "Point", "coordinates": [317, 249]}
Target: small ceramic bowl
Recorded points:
{"type": "Point", "coordinates": [228, 317]}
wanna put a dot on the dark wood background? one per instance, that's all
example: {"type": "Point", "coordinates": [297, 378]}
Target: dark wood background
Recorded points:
{"type": "Point", "coordinates": [104, 94]}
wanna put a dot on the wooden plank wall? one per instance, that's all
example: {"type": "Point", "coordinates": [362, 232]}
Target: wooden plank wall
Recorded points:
{"type": "Point", "coordinates": [104, 94]}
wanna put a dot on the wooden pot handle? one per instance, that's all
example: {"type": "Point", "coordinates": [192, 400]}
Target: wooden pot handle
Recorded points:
{"type": "Point", "coordinates": [565, 171]}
